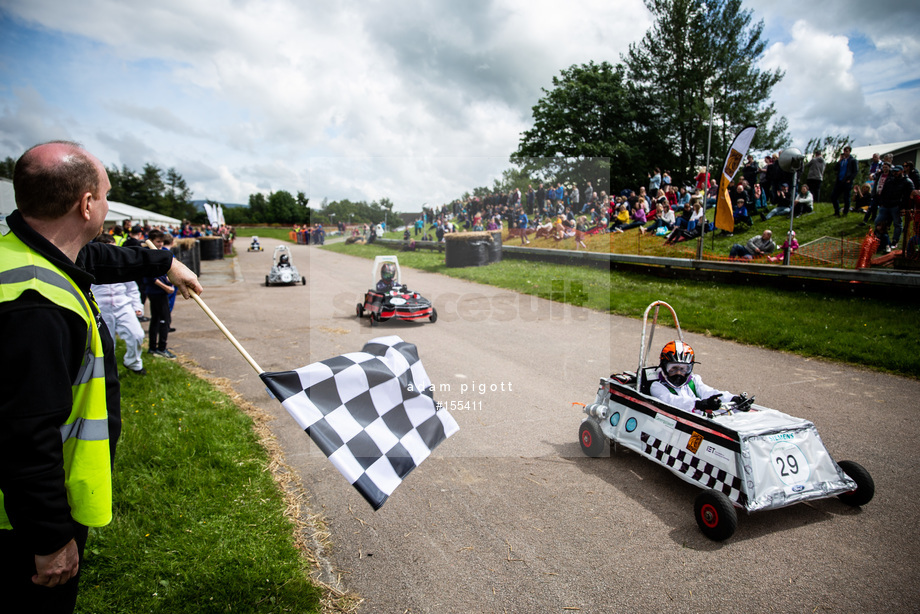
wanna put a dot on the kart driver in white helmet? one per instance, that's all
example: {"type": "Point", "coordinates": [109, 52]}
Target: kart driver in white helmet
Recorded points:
{"type": "Point", "coordinates": [678, 386]}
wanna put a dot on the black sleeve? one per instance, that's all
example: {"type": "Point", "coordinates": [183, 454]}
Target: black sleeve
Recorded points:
{"type": "Point", "coordinates": [111, 264]}
{"type": "Point", "coordinates": [44, 346]}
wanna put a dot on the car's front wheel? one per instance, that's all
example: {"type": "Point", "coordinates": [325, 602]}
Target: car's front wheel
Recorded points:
{"type": "Point", "coordinates": [715, 515]}
{"type": "Point", "coordinates": [591, 438]}
{"type": "Point", "coordinates": [865, 485]}
{"type": "Point", "coordinates": [434, 315]}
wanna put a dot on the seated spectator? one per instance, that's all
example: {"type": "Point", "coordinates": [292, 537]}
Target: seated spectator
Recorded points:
{"type": "Point", "coordinates": [741, 191]}
{"type": "Point", "coordinates": [664, 218]}
{"type": "Point", "coordinates": [692, 227]}
{"type": "Point", "coordinates": [758, 245]}
{"type": "Point", "coordinates": [683, 197]}
{"type": "Point", "coordinates": [620, 219]}
{"type": "Point", "coordinates": [804, 201]}
{"type": "Point", "coordinates": [558, 229]}
{"type": "Point", "coordinates": [697, 218]}
{"type": "Point", "coordinates": [682, 218]}
{"type": "Point", "coordinates": [638, 217]}
{"type": "Point", "coordinates": [671, 196]}
{"type": "Point", "coordinates": [740, 213]}
{"type": "Point", "coordinates": [783, 207]}
{"type": "Point", "coordinates": [787, 244]}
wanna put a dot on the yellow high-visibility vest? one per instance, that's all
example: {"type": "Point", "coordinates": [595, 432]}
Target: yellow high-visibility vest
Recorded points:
{"type": "Point", "coordinates": [85, 433]}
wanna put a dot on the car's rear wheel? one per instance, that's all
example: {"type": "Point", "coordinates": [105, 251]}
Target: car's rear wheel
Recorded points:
{"type": "Point", "coordinates": [266, 281]}
{"type": "Point", "coordinates": [865, 485]}
{"type": "Point", "coordinates": [359, 310]}
{"type": "Point", "coordinates": [434, 315]}
{"type": "Point", "coordinates": [303, 281]}
{"type": "Point", "coordinates": [715, 515]}
{"type": "Point", "coordinates": [591, 438]}
{"type": "Point", "coordinates": [375, 319]}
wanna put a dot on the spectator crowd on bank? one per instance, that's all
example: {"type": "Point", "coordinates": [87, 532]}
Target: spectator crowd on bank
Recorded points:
{"type": "Point", "coordinates": [761, 191]}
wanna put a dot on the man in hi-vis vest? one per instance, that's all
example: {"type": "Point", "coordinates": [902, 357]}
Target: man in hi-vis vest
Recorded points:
{"type": "Point", "coordinates": [60, 413]}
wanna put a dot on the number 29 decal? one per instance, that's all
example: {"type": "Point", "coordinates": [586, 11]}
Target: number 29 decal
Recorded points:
{"type": "Point", "coordinates": [789, 463]}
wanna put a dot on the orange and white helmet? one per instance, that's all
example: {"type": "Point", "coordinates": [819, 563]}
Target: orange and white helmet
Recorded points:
{"type": "Point", "coordinates": [676, 362]}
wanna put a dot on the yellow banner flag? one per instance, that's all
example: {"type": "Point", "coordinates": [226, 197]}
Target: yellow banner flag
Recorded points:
{"type": "Point", "coordinates": [725, 219]}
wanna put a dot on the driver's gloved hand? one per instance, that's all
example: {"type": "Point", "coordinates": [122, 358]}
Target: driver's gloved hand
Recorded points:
{"type": "Point", "coordinates": [711, 404]}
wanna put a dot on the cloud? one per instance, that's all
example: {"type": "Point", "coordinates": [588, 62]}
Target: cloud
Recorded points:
{"type": "Point", "coordinates": [819, 84]}
{"type": "Point", "coordinates": [415, 101]}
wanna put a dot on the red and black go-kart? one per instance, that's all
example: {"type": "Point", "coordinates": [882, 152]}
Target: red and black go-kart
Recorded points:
{"type": "Point", "coordinates": [389, 298]}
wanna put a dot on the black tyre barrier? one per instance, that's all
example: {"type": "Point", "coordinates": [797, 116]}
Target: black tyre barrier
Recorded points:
{"type": "Point", "coordinates": [472, 249]}
{"type": "Point", "coordinates": [212, 248]}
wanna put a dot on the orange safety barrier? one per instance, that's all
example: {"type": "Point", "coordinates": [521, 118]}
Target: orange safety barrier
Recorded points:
{"type": "Point", "coordinates": [867, 250]}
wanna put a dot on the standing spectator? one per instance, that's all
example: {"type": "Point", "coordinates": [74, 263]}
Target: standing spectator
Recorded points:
{"type": "Point", "coordinates": [56, 480]}
{"type": "Point", "coordinates": [523, 223]}
{"type": "Point", "coordinates": [875, 165]}
{"type": "Point", "coordinates": [588, 194]}
{"type": "Point", "coordinates": [136, 238]}
{"type": "Point", "coordinates": [814, 174]}
{"type": "Point", "coordinates": [749, 170]}
{"type": "Point", "coordinates": [844, 173]}
{"type": "Point", "coordinates": [766, 177]}
{"type": "Point", "coordinates": [654, 181]}
{"type": "Point", "coordinates": [911, 173]}
{"type": "Point", "coordinates": [893, 197]}
{"type": "Point", "coordinates": [541, 200]}
{"type": "Point", "coordinates": [665, 179]}
{"type": "Point", "coordinates": [774, 179]}
{"type": "Point", "coordinates": [120, 307]}
{"type": "Point", "coordinates": [758, 245]}
{"type": "Point", "coordinates": [158, 291]}
{"type": "Point", "coordinates": [702, 181]}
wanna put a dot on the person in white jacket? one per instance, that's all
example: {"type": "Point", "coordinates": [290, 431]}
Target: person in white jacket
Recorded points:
{"type": "Point", "coordinates": [678, 386]}
{"type": "Point", "coordinates": [120, 306]}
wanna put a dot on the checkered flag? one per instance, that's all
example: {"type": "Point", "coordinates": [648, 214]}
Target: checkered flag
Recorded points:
{"type": "Point", "coordinates": [371, 412]}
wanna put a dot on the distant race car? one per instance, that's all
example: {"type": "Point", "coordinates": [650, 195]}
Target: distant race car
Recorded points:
{"type": "Point", "coordinates": [389, 298]}
{"type": "Point", "coordinates": [742, 455]}
{"type": "Point", "coordinates": [254, 246]}
{"type": "Point", "coordinates": [283, 271]}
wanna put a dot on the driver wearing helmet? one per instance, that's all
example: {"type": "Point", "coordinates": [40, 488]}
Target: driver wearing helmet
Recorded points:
{"type": "Point", "coordinates": [387, 277]}
{"type": "Point", "coordinates": [678, 386]}
{"type": "Point", "coordinates": [284, 261]}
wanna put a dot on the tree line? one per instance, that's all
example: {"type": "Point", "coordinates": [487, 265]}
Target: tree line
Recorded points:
{"type": "Point", "coordinates": [652, 109]}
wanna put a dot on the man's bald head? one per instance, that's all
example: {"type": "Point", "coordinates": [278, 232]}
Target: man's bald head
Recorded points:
{"type": "Point", "coordinates": [49, 179]}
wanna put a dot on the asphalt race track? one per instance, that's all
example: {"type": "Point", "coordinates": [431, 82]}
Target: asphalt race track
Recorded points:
{"type": "Point", "coordinates": [508, 515]}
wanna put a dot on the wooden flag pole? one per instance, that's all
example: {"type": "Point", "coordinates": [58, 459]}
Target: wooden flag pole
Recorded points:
{"type": "Point", "coordinates": [220, 325]}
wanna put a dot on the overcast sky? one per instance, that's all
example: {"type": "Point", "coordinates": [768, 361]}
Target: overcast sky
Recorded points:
{"type": "Point", "coordinates": [414, 101]}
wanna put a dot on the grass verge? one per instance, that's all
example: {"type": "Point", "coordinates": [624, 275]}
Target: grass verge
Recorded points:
{"type": "Point", "coordinates": [878, 333]}
{"type": "Point", "coordinates": [201, 524]}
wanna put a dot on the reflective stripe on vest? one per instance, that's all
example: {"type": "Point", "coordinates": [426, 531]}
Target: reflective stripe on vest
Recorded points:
{"type": "Point", "coordinates": [85, 433]}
